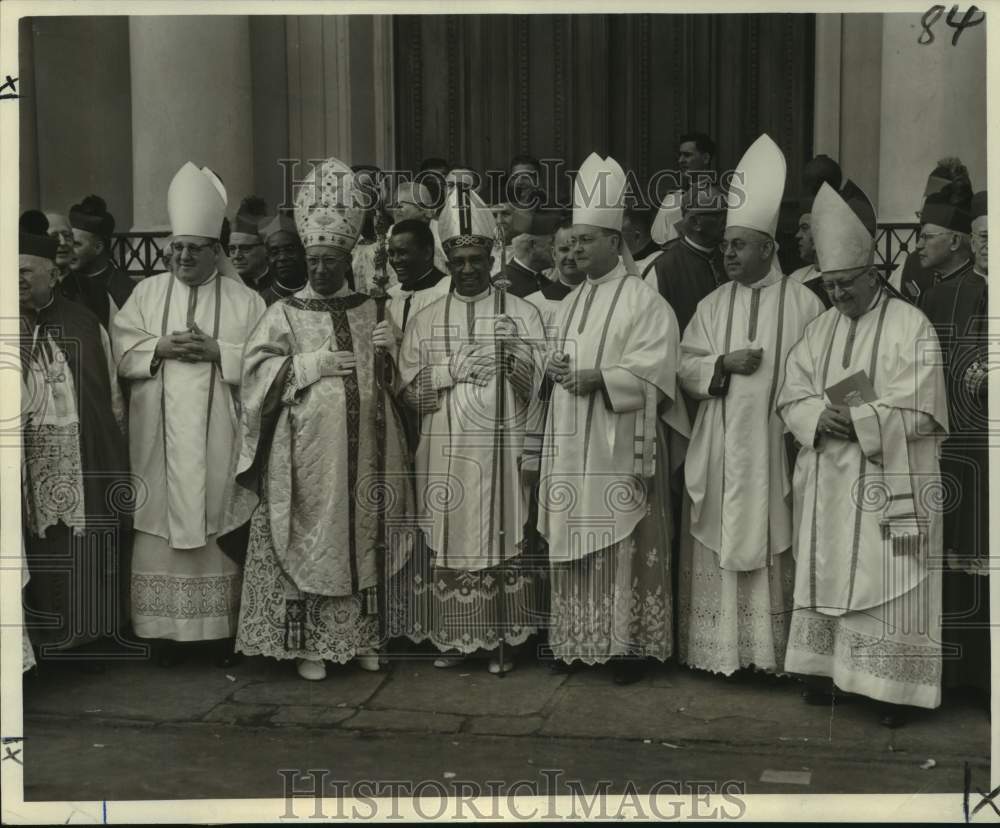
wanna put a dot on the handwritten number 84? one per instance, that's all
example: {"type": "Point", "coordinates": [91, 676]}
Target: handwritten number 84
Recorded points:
{"type": "Point", "coordinates": [933, 14]}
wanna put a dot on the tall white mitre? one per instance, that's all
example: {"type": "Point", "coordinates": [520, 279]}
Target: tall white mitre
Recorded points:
{"type": "Point", "coordinates": [757, 186]}
{"type": "Point", "coordinates": [599, 193]}
{"type": "Point", "coordinates": [466, 221]}
{"type": "Point", "coordinates": [841, 239]}
{"type": "Point", "coordinates": [196, 203]}
{"type": "Point", "coordinates": [328, 209]}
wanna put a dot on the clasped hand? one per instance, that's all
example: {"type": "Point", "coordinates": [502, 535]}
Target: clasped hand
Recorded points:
{"type": "Point", "coordinates": [835, 421]}
{"type": "Point", "coordinates": [580, 382]}
{"type": "Point", "coordinates": [473, 362]}
{"type": "Point", "coordinates": [192, 345]}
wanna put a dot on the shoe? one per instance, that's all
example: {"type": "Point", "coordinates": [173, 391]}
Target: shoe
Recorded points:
{"type": "Point", "coordinates": [93, 668]}
{"type": "Point", "coordinates": [891, 716]}
{"type": "Point", "coordinates": [561, 668]}
{"type": "Point", "coordinates": [628, 671]}
{"type": "Point", "coordinates": [447, 662]}
{"type": "Point", "coordinates": [310, 670]}
{"type": "Point", "coordinates": [368, 660]}
{"type": "Point", "coordinates": [496, 669]}
{"type": "Point", "coordinates": [817, 697]}
{"type": "Point", "coordinates": [227, 660]}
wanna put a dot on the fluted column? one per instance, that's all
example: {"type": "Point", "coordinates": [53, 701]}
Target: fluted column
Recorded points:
{"type": "Point", "coordinates": [191, 101]}
{"type": "Point", "coordinates": [340, 89]}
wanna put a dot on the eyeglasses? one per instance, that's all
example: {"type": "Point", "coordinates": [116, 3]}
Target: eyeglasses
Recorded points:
{"type": "Point", "coordinates": [738, 245]}
{"type": "Point", "coordinates": [243, 248]}
{"type": "Point", "coordinates": [328, 262]}
{"type": "Point", "coordinates": [846, 285]}
{"type": "Point", "coordinates": [179, 248]}
{"type": "Point", "coordinates": [980, 237]}
{"type": "Point", "coordinates": [923, 237]}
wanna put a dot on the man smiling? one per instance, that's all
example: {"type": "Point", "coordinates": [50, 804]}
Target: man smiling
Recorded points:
{"type": "Point", "coordinates": [868, 541]}
{"type": "Point", "coordinates": [734, 561]}
{"type": "Point", "coordinates": [178, 342]}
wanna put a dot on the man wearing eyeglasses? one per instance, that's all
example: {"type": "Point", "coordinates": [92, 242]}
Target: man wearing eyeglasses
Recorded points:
{"type": "Point", "coordinates": [178, 343]}
{"type": "Point", "coordinates": [734, 561]}
{"type": "Point", "coordinates": [943, 244]}
{"type": "Point", "coordinates": [604, 471]}
{"type": "Point", "coordinates": [246, 245]}
{"type": "Point", "coordinates": [864, 395]}
{"type": "Point", "coordinates": [958, 307]}
{"type": "Point", "coordinates": [948, 182]}
{"type": "Point", "coordinates": [307, 474]}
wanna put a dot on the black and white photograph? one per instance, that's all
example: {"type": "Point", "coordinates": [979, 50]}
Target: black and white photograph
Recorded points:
{"type": "Point", "coordinates": [436, 411]}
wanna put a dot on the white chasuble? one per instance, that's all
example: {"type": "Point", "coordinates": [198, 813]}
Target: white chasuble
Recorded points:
{"type": "Point", "coordinates": [183, 417]}
{"type": "Point", "coordinates": [736, 473]}
{"type": "Point", "coordinates": [458, 458]}
{"type": "Point", "coordinates": [843, 564]}
{"type": "Point", "coordinates": [599, 450]}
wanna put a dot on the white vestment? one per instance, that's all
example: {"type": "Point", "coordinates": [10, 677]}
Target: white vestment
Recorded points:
{"type": "Point", "coordinates": [865, 614]}
{"type": "Point", "coordinates": [804, 274]}
{"type": "Point", "coordinates": [183, 417]}
{"type": "Point", "coordinates": [419, 299]}
{"type": "Point", "coordinates": [457, 457]}
{"type": "Point", "coordinates": [599, 448]}
{"type": "Point", "coordinates": [735, 586]}
{"type": "Point", "coordinates": [736, 470]}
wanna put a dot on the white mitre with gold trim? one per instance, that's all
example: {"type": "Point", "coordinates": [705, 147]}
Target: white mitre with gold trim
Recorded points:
{"type": "Point", "coordinates": [327, 208]}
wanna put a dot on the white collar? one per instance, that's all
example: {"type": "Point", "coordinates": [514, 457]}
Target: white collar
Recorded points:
{"type": "Point", "coordinates": [697, 246]}
{"type": "Point", "coordinates": [201, 284]}
{"type": "Point", "coordinates": [616, 272]}
{"type": "Point", "coordinates": [517, 261]}
{"type": "Point", "coordinates": [475, 298]}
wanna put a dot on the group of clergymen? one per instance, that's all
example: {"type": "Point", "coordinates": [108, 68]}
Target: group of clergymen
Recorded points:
{"type": "Point", "coordinates": [656, 441]}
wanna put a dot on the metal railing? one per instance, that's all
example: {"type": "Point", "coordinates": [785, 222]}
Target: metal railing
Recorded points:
{"type": "Point", "coordinates": [138, 254]}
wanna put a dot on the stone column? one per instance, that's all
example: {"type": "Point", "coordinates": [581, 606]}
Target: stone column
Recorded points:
{"type": "Point", "coordinates": [340, 89]}
{"type": "Point", "coordinates": [847, 117]}
{"type": "Point", "coordinates": [933, 105]}
{"type": "Point", "coordinates": [191, 101]}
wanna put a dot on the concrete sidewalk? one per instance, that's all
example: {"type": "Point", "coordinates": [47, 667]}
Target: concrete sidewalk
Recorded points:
{"type": "Point", "coordinates": [193, 731]}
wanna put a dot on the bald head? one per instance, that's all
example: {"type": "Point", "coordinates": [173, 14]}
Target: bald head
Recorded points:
{"type": "Point", "coordinates": [413, 201]}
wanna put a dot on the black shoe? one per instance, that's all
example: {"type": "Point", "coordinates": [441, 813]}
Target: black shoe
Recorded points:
{"type": "Point", "coordinates": [561, 668]}
{"type": "Point", "coordinates": [817, 697]}
{"type": "Point", "coordinates": [93, 668]}
{"type": "Point", "coordinates": [628, 671]}
{"type": "Point", "coordinates": [892, 716]}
